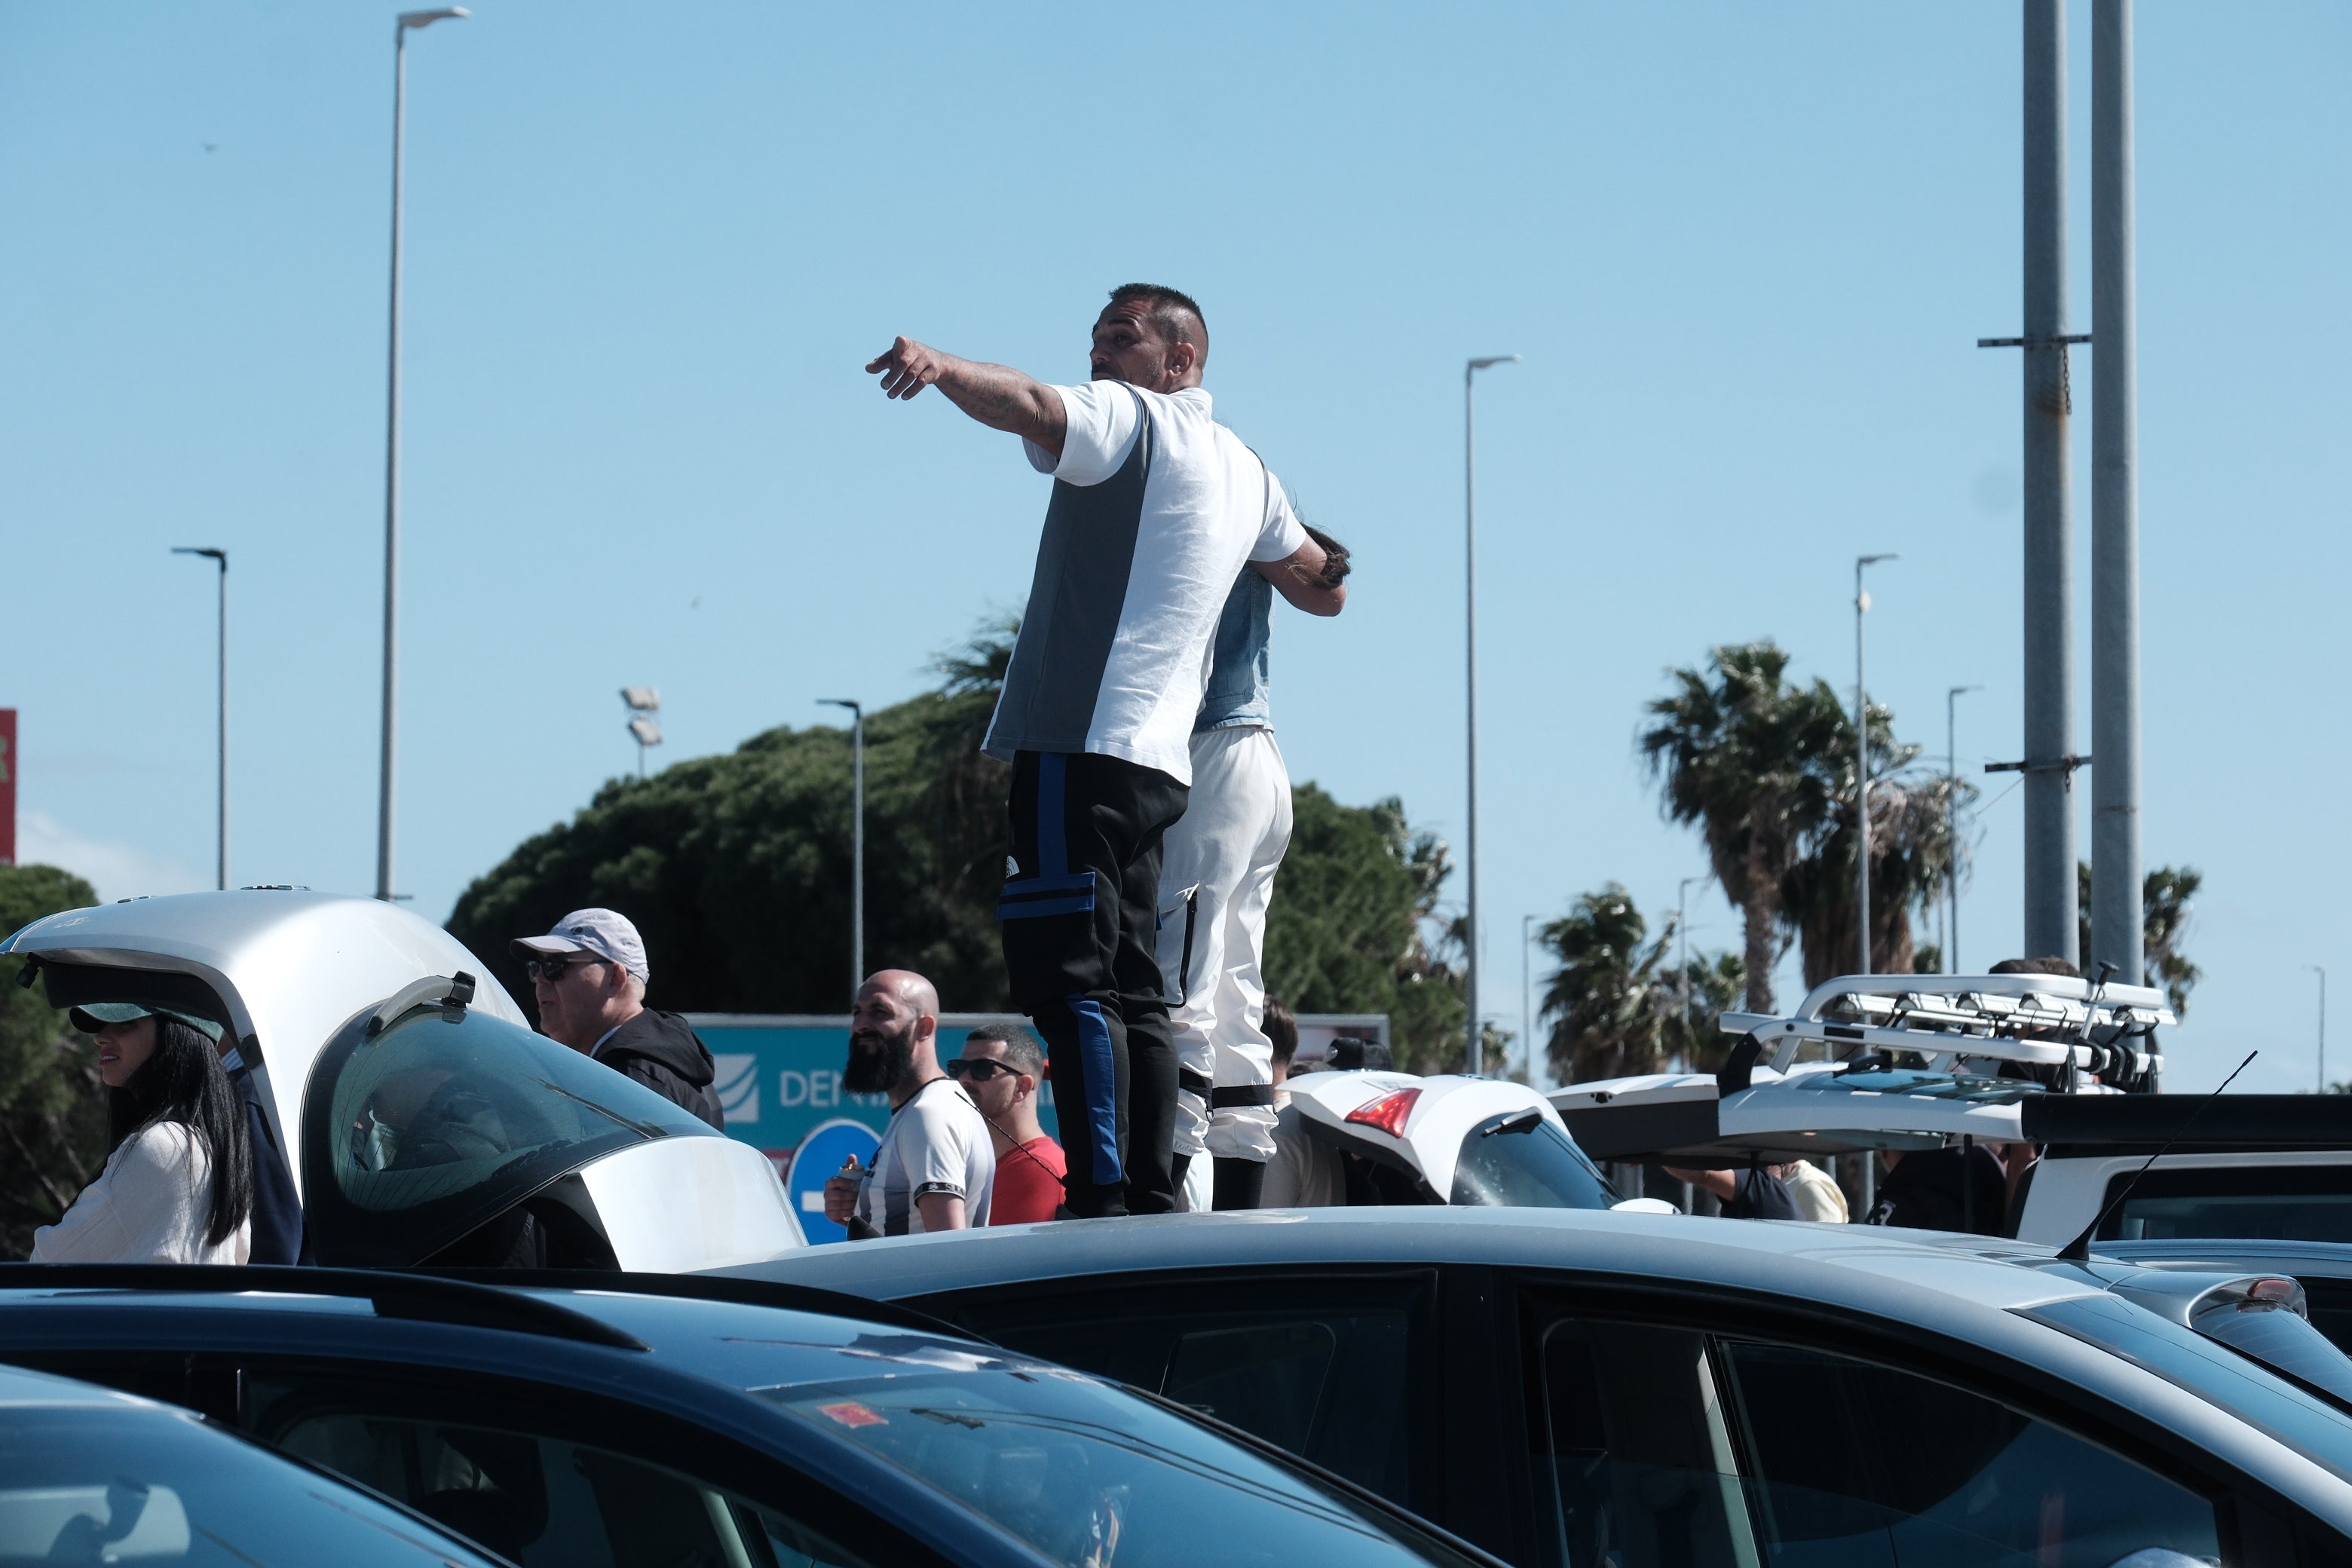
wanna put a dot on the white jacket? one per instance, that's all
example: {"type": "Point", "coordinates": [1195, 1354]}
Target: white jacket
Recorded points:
{"type": "Point", "coordinates": [152, 1204]}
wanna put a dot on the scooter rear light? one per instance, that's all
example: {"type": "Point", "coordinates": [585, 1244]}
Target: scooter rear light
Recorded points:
{"type": "Point", "coordinates": [1387, 1113]}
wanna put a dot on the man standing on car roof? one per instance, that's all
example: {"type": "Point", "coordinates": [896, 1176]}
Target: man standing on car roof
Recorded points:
{"type": "Point", "coordinates": [1217, 880]}
{"type": "Point", "coordinates": [588, 977]}
{"type": "Point", "coordinates": [1156, 509]}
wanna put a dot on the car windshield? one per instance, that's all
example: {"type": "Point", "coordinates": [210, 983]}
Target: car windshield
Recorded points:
{"type": "Point", "coordinates": [131, 1485]}
{"type": "Point", "coordinates": [1519, 1160]}
{"type": "Point", "coordinates": [415, 1135]}
{"type": "Point", "coordinates": [1094, 1477]}
{"type": "Point", "coordinates": [2212, 1371]}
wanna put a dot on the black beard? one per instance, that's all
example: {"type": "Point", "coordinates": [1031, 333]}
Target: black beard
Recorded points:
{"type": "Point", "coordinates": [875, 1067]}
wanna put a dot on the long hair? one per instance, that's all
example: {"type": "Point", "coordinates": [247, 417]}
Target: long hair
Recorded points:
{"type": "Point", "coordinates": [183, 1081]}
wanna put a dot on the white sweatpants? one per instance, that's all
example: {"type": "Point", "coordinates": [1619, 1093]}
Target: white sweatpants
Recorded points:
{"type": "Point", "coordinates": [1223, 852]}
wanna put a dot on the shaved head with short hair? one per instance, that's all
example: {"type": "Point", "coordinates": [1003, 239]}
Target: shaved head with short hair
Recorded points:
{"type": "Point", "coordinates": [1175, 314]}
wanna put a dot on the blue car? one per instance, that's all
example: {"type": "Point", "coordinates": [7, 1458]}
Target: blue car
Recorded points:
{"type": "Point", "coordinates": [88, 1475]}
{"type": "Point", "coordinates": [646, 1424]}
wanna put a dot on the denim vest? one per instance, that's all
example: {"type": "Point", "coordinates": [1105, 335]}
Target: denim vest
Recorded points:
{"type": "Point", "coordinates": [1239, 689]}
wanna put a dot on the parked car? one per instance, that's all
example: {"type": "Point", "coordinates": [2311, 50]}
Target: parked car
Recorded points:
{"type": "Point", "coordinates": [1448, 1139]}
{"type": "Point", "coordinates": [2323, 1268]}
{"type": "Point", "coordinates": [1574, 1390]}
{"type": "Point", "coordinates": [89, 1475]}
{"type": "Point", "coordinates": [656, 1422]}
{"type": "Point", "coordinates": [424, 1118]}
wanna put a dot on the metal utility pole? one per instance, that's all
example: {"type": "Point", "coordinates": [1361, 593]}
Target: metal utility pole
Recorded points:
{"type": "Point", "coordinates": [2117, 915]}
{"type": "Point", "coordinates": [856, 837]}
{"type": "Point", "coordinates": [1862, 763]}
{"type": "Point", "coordinates": [1526, 992]}
{"type": "Point", "coordinates": [1474, 1060]}
{"type": "Point", "coordinates": [220, 559]}
{"type": "Point", "coordinates": [1952, 818]}
{"type": "Point", "coordinates": [407, 21]}
{"type": "Point", "coordinates": [2320, 970]}
{"type": "Point", "coordinates": [2049, 762]}
{"type": "Point", "coordinates": [1682, 965]}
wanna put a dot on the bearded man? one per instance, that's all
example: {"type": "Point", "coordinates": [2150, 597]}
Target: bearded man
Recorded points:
{"type": "Point", "coordinates": [935, 1166]}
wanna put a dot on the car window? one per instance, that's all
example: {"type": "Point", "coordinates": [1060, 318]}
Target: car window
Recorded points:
{"type": "Point", "coordinates": [1093, 1477]}
{"type": "Point", "coordinates": [1518, 1160]}
{"type": "Point", "coordinates": [2266, 1203]}
{"type": "Point", "coordinates": [2330, 1303]}
{"type": "Point", "coordinates": [1656, 1444]}
{"type": "Point", "coordinates": [146, 1486]}
{"type": "Point", "coordinates": [414, 1136]}
{"type": "Point", "coordinates": [537, 1498]}
{"type": "Point", "coordinates": [1320, 1367]}
{"type": "Point", "coordinates": [1635, 1458]}
{"type": "Point", "coordinates": [1860, 1465]}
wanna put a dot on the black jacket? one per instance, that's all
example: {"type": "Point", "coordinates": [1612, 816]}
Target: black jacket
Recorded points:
{"type": "Point", "coordinates": [1925, 1193]}
{"type": "Point", "coordinates": [659, 1051]}
{"type": "Point", "coordinates": [277, 1210]}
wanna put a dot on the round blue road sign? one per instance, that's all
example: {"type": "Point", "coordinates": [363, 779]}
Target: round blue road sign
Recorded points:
{"type": "Point", "coordinates": [818, 1160]}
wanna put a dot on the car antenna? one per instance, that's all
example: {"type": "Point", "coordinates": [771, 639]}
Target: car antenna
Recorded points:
{"type": "Point", "coordinates": [2079, 1249]}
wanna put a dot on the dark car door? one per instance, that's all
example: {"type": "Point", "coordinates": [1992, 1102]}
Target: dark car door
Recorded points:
{"type": "Point", "coordinates": [1665, 1433]}
{"type": "Point", "coordinates": [1333, 1365]}
{"type": "Point", "coordinates": [543, 1475]}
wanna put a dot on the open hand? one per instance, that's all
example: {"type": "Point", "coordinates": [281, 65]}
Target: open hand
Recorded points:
{"type": "Point", "coordinates": [909, 367]}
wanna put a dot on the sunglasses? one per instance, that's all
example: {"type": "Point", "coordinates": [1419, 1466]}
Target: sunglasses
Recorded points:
{"type": "Point", "coordinates": [552, 969]}
{"type": "Point", "coordinates": [978, 1067]}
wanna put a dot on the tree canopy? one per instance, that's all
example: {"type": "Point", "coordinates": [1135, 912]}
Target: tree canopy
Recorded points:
{"type": "Point", "coordinates": [737, 868]}
{"type": "Point", "coordinates": [52, 1105]}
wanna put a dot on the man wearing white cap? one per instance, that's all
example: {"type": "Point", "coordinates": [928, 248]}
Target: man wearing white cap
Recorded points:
{"type": "Point", "coordinates": [588, 976]}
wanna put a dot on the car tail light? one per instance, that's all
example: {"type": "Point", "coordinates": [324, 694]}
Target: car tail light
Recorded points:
{"type": "Point", "coordinates": [2270, 1292]}
{"type": "Point", "coordinates": [1387, 1113]}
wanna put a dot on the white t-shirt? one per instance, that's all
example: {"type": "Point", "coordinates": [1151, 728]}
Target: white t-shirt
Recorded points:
{"type": "Point", "coordinates": [152, 1204]}
{"type": "Point", "coordinates": [936, 1142]}
{"type": "Point", "coordinates": [1157, 508]}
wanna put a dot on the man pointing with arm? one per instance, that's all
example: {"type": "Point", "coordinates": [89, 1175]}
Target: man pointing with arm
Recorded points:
{"type": "Point", "coordinates": [1156, 509]}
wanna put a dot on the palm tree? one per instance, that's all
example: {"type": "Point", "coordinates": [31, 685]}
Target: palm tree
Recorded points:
{"type": "Point", "coordinates": [1913, 856]}
{"type": "Point", "coordinates": [2166, 902]}
{"type": "Point", "coordinates": [1736, 751]}
{"type": "Point", "coordinates": [1608, 997]}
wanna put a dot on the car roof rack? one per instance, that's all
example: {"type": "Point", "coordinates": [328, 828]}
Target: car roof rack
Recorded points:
{"type": "Point", "coordinates": [422, 1297]}
{"type": "Point", "coordinates": [2039, 1020]}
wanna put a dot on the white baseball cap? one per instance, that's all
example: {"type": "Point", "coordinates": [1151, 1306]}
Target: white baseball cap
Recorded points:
{"type": "Point", "coordinates": [603, 933]}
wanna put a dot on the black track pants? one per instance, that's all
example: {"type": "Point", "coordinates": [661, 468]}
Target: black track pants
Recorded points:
{"type": "Point", "coordinates": [1080, 902]}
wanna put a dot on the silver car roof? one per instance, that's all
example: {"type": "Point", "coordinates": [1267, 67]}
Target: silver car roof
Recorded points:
{"type": "Point", "coordinates": [290, 966]}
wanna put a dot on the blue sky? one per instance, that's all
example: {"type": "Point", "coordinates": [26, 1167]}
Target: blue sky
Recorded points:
{"type": "Point", "coordinates": [1746, 252]}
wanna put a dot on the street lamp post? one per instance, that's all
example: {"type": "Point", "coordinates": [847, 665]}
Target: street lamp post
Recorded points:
{"type": "Point", "coordinates": [1527, 991]}
{"type": "Point", "coordinates": [402, 26]}
{"type": "Point", "coordinates": [1474, 1060]}
{"type": "Point", "coordinates": [1952, 817]}
{"type": "Point", "coordinates": [1682, 961]}
{"type": "Point", "coordinates": [2321, 969]}
{"type": "Point", "coordinates": [1862, 761]}
{"type": "Point", "coordinates": [220, 559]}
{"type": "Point", "coordinates": [856, 837]}
{"type": "Point", "coordinates": [644, 720]}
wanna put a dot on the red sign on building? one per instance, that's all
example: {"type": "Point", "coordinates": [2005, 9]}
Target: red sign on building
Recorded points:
{"type": "Point", "coordinates": [7, 787]}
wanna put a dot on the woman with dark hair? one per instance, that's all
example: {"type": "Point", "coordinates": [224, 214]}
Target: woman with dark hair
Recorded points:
{"type": "Point", "coordinates": [178, 1187]}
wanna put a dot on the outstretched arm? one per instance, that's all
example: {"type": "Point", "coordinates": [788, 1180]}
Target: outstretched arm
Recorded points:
{"type": "Point", "coordinates": [997, 395]}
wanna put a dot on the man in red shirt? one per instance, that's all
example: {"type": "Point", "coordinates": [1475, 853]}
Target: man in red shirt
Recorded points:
{"type": "Point", "coordinates": [1000, 1069]}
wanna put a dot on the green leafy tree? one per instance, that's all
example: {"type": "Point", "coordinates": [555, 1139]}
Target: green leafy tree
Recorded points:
{"type": "Point", "coordinates": [1913, 856]}
{"type": "Point", "coordinates": [1710, 985]}
{"type": "Point", "coordinates": [2168, 895]}
{"type": "Point", "coordinates": [1740, 752]}
{"type": "Point", "coordinates": [52, 1105]}
{"type": "Point", "coordinates": [1609, 998]}
{"type": "Point", "coordinates": [737, 870]}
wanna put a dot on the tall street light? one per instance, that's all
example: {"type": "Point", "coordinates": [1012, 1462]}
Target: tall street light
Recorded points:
{"type": "Point", "coordinates": [407, 21]}
{"type": "Point", "coordinates": [644, 703]}
{"type": "Point", "coordinates": [1527, 991]}
{"type": "Point", "coordinates": [1861, 760]}
{"type": "Point", "coordinates": [1952, 817]}
{"type": "Point", "coordinates": [1474, 1061]}
{"type": "Point", "coordinates": [1682, 945]}
{"type": "Point", "coordinates": [2321, 969]}
{"type": "Point", "coordinates": [220, 559]}
{"type": "Point", "coordinates": [856, 837]}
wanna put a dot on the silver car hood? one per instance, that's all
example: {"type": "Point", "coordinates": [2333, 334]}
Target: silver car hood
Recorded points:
{"type": "Point", "coordinates": [288, 967]}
